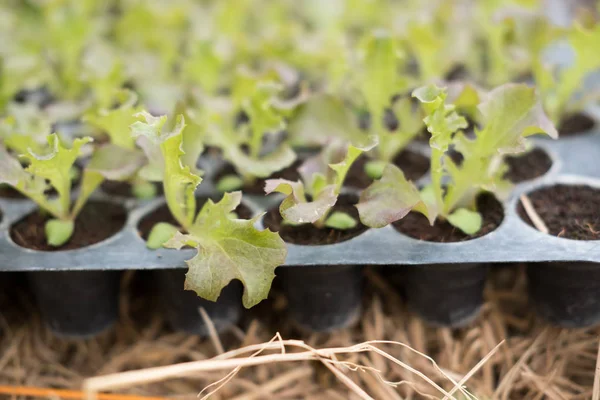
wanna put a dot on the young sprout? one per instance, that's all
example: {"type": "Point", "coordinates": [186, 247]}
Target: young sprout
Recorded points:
{"type": "Point", "coordinates": [244, 145]}
{"type": "Point", "coordinates": [378, 80]}
{"type": "Point", "coordinates": [25, 127]}
{"type": "Point", "coordinates": [557, 88]}
{"type": "Point", "coordinates": [228, 248]}
{"type": "Point", "coordinates": [54, 169]}
{"type": "Point", "coordinates": [509, 114]}
{"type": "Point", "coordinates": [115, 122]}
{"type": "Point", "coordinates": [311, 200]}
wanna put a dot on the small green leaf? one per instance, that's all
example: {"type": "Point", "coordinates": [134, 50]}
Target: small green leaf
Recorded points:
{"type": "Point", "coordinates": [229, 183]}
{"type": "Point", "coordinates": [260, 167]}
{"type": "Point", "coordinates": [58, 232]}
{"type": "Point", "coordinates": [144, 190]}
{"type": "Point", "coordinates": [466, 220]}
{"type": "Point", "coordinates": [116, 121]}
{"type": "Point", "coordinates": [340, 220]}
{"type": "Point", "coordinates": [295, 208]}
{"type": "Point", "coordinates": [56, 168]}
{"type": "Point", "coordinates": [374, 168]}
{"type": "Point", "coordinates": [160, 234]}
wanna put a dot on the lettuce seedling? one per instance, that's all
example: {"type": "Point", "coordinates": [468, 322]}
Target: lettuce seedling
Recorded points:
{"type": "Point", "coordinates": [509, 114]}
{"type": "Point", "coordinates": [558, 88]}
{"type": "Point", "coordinates": [115, 122]}
{"type": "Point", "coordinates": [380, 79]}
{"type": "Point", "coordinates": [54, 169]}
{"type": "Point", "coordinates": [228, 248]}
{"type": "Point", "coordinates": [244, 145]}
{"type": "Point", "coordinates": [311, 200]}
{"type": "Point", "coordinates": [25, 127]}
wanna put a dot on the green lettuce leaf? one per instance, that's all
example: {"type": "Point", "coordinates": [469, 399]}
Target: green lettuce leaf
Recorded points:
{"type": "Point", "coordinates": [295, 208]}
{"type": "Point", "coordinates": [116, 121]}
{"type": "Point", "coordinates": [558, 93]}
{"type": "Point", "coordinates": [322, 177]}
{"type": "Point", "coordinates": [320, 118]}
{"type": "Point", "coordinates": [178, 180]}
{"type": "Point", "coordinates": [230, 249]}
{"type": "Point", "coordinates": [388, 199]}
{"type": "Point", "coordinates": [56, 168]}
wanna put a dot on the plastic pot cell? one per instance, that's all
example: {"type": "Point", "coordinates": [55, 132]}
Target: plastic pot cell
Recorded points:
{"type": "Point", "coordinates": [445, 294]}
{"type": "Point", "coordinates": [322, 298]}
{"type": "Point", "coordinates": [566, 293]}
{"type": "Point", "coordinates": [182, 307]}
{"type": "Point", "coordinates": [77, 303]}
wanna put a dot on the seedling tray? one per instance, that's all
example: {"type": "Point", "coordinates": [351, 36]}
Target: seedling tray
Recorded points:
{"type": "Point", "coordinates": [446, 289]}
{"type": "Point", "coordinates": [575, 161]}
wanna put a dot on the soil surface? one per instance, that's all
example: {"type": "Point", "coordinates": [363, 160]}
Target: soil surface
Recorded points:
{"type": "Point", "coordinates": [389, 119]}
{"type": "Point", "coordinates": [162, 214]}
{"type": "Point", "coordinates": [414, 166]}
{"type": "Point", "coordinates": [308, 234]}
{"type": "Point", "coordinates": [575, 124]}
{"type": "Point", "coordinates": [528, 166]}
{"type": "Point", "coordinates": [8, 192]}
{"type": "Point", "coordinates": [97, 221]}
{"type": "Point", "coordinates": [417, 226]}
{"type": "Point", "coordinates": [123, 189]}
{"type": "Point", "coordinates": [569, 211]}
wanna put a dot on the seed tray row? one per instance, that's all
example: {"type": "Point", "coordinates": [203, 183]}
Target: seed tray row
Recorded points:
{"type": "Point", "coordinates": [575, 162]}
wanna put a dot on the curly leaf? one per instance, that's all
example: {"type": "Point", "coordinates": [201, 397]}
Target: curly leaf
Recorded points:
{"type": "Point", "coordinates": [11, 171]}
{"type": "Point", "coordinates": [379, 79]}
{"type": "Point", "coordinates": [295, 208]}
{"type": "Point", "coordinates": [230, 249]}
{"type": "Point", "coordinates": [323, 117]}
{"type": "Point", "coordinates": [116, 121]}
{"type": "Point", "coordinates": [341, 168]}
{"type": "Point", "coordinates": [511, 112]}
{"type": "Point", "coordinates": [264, 116]}
{"type": "Point", "coordinates": [56, 168]}
{"type": "Point", "coordinates": [13, 174]}
{"type": "Point", "coordinates": [179, 181]}
{"type": "Point", "coordinates": [388, 199]}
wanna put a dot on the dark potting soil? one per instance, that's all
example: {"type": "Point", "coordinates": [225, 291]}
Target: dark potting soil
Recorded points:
{"type": "Point", "coordinates": [97, 221]}
{"type": "Point", "coordinates": [528, 166]}
{"type": "Point", "coordinates": [575, 124]}
{"type": "Point", "coordinates": [308, 234]}
{"type": "Point", "coordinates": [162, 214]}
{"type": "Point", "coordinates": [458, 73]}
{"type": "Point", "coordinates": [569, 211]}
{"type": "Point", "coordinates": [124, 189]}
{"type": "Point", "coordinates": [258, 186]}
{"type": "Point", "coordinates": [389, 119]}
{"type": "Point", "coordinates": [417, 226]}
{"type": "Point", "coordinates": [414, 165]}
{"type": "Point", "coordinates": [8, 192]}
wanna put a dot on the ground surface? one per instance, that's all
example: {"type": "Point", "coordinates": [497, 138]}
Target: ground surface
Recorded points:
{"type": "Point", "coordinates": [536, 362]}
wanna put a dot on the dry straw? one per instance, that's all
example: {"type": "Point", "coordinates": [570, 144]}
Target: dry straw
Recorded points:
{"type": "Point", "coordinates": [505, 354]}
